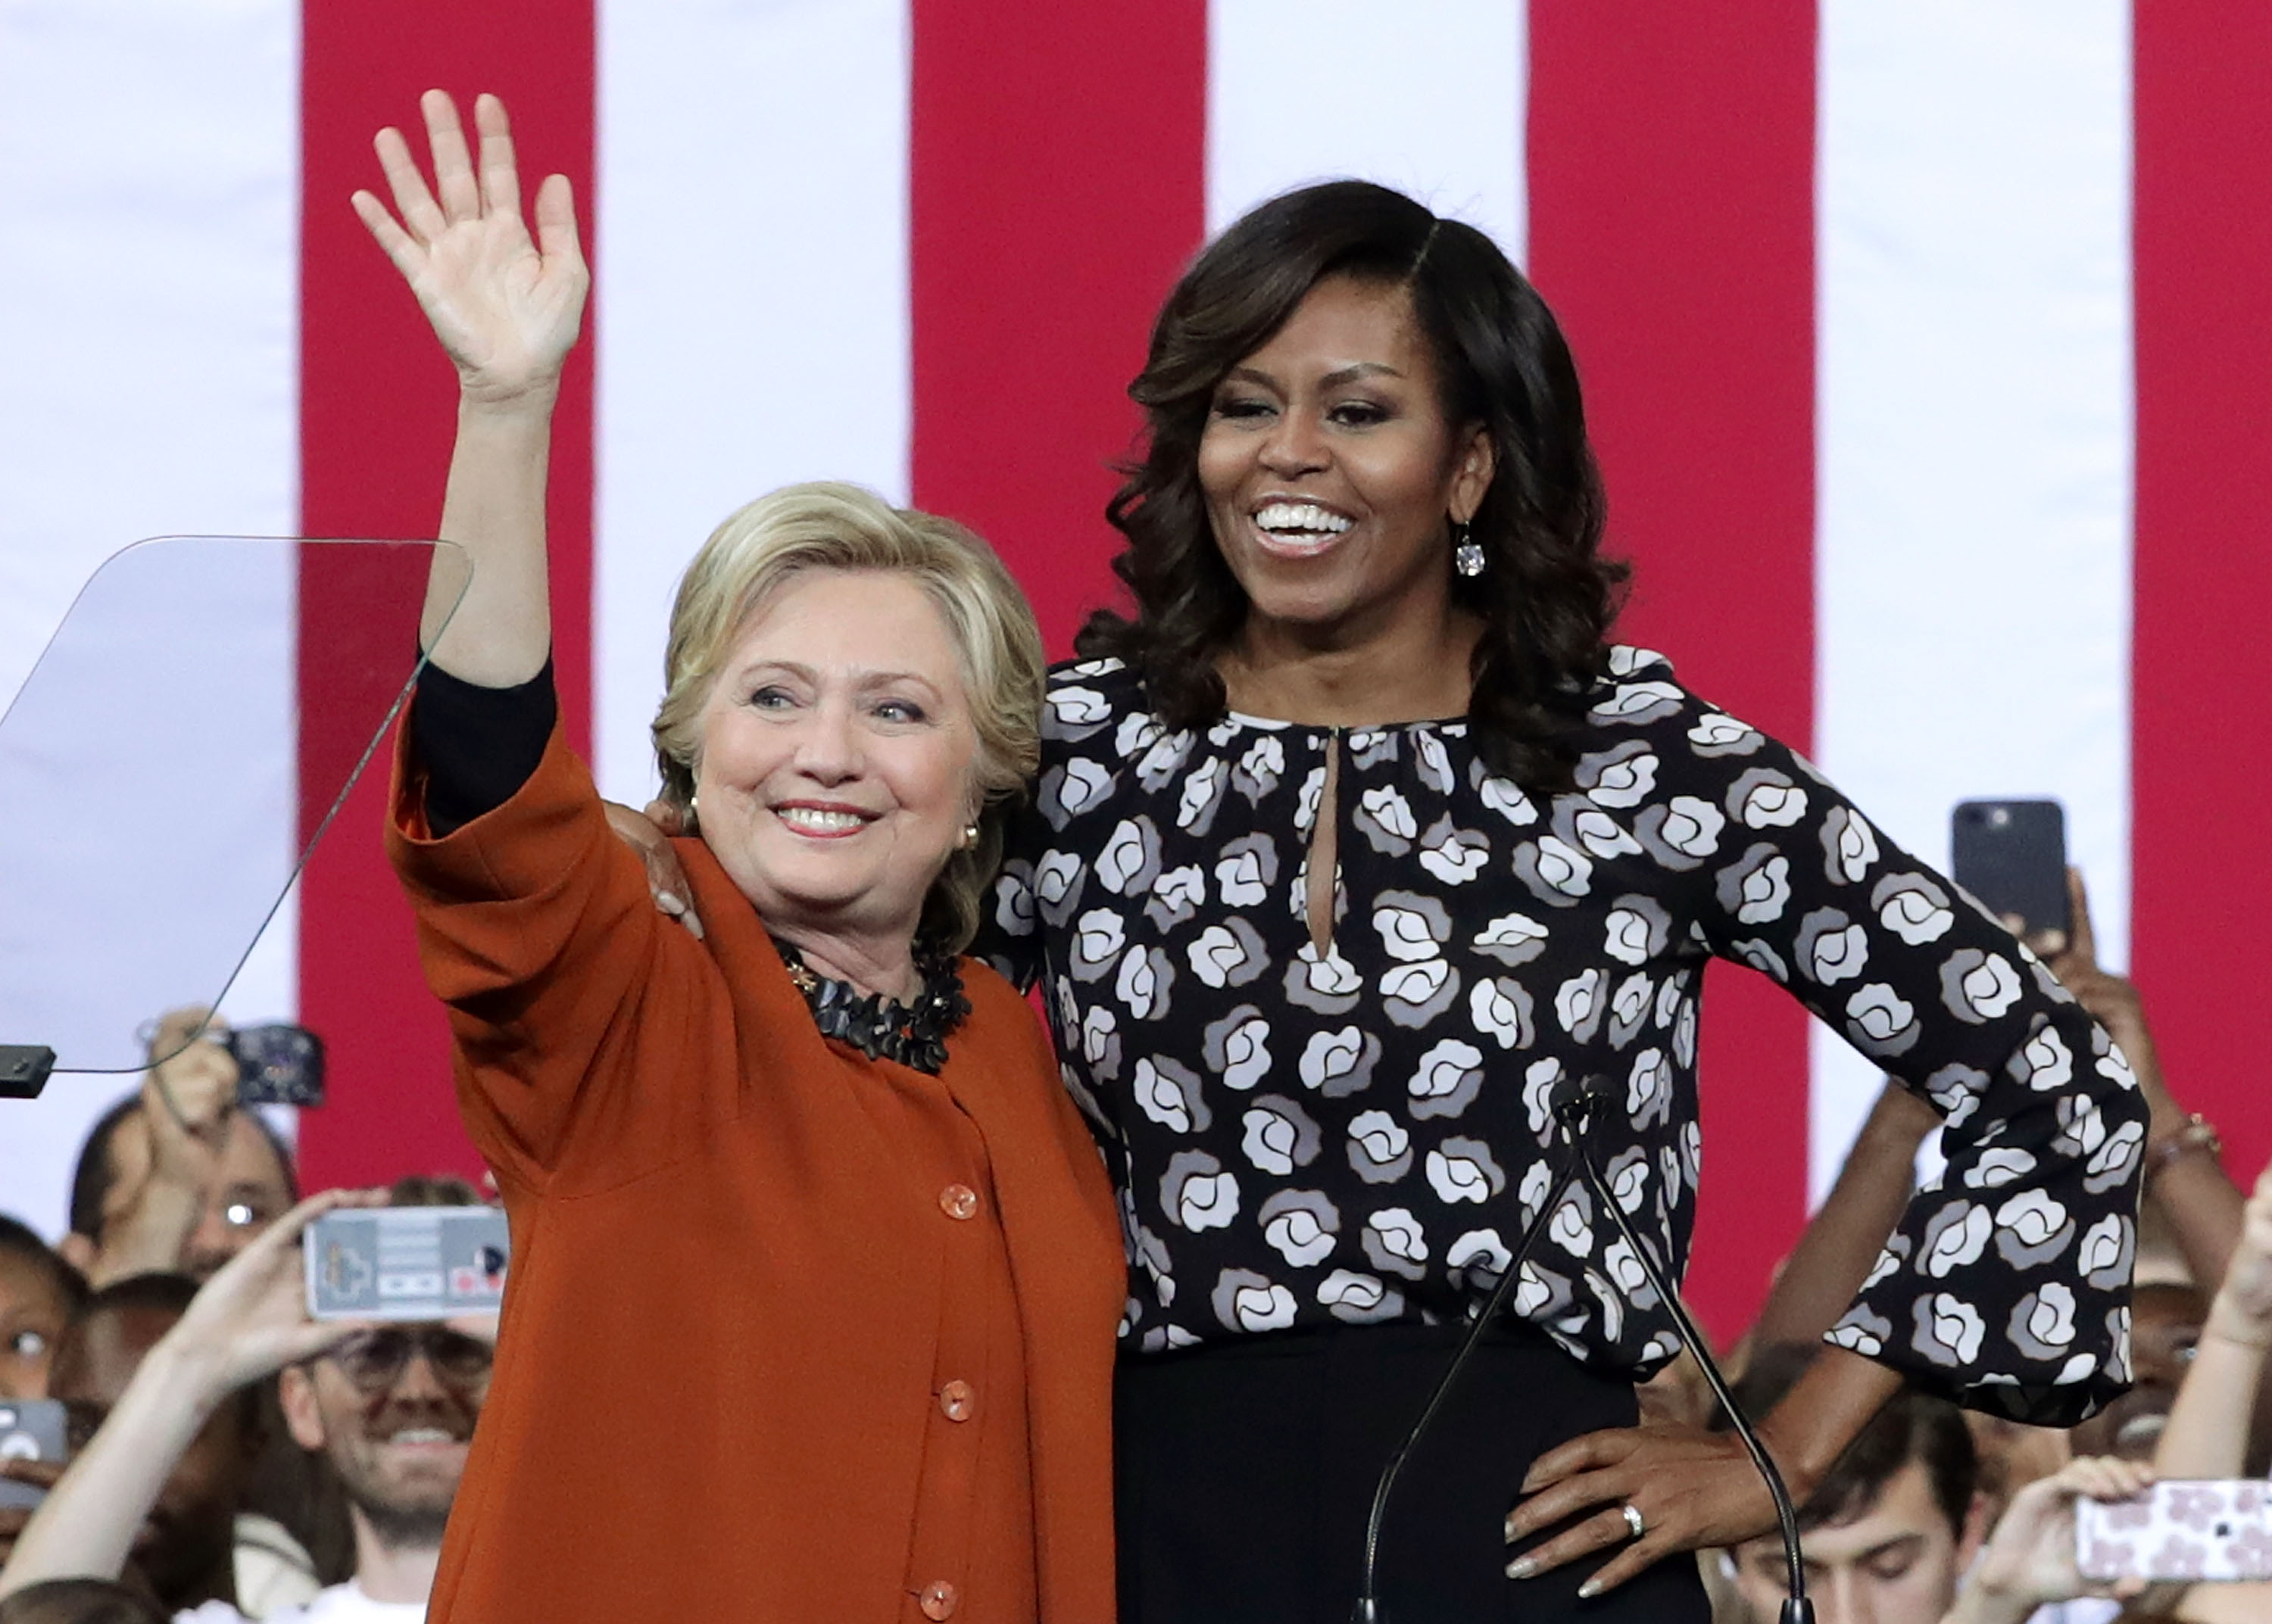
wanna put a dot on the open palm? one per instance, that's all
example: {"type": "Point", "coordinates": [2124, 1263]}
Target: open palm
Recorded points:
{"type": "Point", "coordinates": [506, 308]}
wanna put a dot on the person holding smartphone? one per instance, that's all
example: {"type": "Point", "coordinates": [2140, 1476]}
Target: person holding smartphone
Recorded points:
{"type": "Point", "coordinates": [177, 1176]}
{"type": "Point", "coordinates": [2218, 1421]}
{"type": "Point", "coordinates": [391, 1407]}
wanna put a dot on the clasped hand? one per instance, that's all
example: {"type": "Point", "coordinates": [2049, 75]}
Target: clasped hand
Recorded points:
{"type": "Point", "coordinates": [1692, 1488]}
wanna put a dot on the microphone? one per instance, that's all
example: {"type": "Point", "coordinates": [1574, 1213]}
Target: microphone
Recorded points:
{"type": "Point", "coordinates": [1570, 1103]}
{"type": "Point", "coordinates": [1574, 1114]}
{"type": "Point", "coordinates": [1563, 1093]}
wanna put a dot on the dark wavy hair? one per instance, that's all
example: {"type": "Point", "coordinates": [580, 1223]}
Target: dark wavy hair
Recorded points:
{"type": "Point", "coordinates": [1547, 597]}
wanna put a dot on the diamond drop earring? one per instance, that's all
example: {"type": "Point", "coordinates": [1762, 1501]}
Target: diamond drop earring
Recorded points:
{"type": "Point", "coordinates": [1467, 553]}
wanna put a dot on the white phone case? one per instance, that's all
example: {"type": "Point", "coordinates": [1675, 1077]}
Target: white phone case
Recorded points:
{"type": "Point", "coordinates": [406, 1263]}
{"type": "Point", "coordinates": [2201, 1528]}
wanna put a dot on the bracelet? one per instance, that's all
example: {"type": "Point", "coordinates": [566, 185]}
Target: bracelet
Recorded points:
{"type": "Point", "coordinates": [2196, 1134]}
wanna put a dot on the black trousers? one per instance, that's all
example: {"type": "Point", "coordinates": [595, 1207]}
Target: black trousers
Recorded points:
{"type": "Point", "coordinates": [1245, 1471]}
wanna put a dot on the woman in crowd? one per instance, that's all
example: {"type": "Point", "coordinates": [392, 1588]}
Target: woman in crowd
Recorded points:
{"type": "Point", "coordinates": [815, 1269]}
{"type": "Point", "coordinates": [1356, 839]}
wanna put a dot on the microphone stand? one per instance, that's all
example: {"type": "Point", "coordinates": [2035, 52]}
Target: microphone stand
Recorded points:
{"type": "Point", "coordinates": [1573, 1115]}
{"type": "Point", "coordinates": [1572, 1111]}
{"type": "Point", "coordinates": [1368, 1601]}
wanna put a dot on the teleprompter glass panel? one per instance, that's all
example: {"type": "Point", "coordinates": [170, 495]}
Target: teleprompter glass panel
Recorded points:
{"type": "Point", "coordinates": [170, 763]}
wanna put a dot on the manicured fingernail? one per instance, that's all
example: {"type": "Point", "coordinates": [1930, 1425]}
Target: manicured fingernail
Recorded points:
{"type": "Point", "coordinates": [1589, 1590]}
{"type": "Point", "coordinates": [1522, 1568]}
{"type": "Point", "coordinates": [668, 903]}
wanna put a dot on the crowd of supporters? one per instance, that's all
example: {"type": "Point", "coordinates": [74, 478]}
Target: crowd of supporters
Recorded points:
{"type": "Point", "coordinates": [230, 1457]}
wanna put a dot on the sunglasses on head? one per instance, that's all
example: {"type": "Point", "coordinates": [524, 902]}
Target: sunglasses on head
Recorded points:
{"type": "Point", "coordinates": [377, 1358]}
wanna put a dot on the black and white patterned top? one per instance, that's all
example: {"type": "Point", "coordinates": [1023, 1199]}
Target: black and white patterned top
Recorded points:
{"type": "Point", "coordinates": [1363, 1137]}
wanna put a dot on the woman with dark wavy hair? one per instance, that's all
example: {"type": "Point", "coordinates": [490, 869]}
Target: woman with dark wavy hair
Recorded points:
{"type": "Point", "coordinates": [1359, 838]}
{"type": "Point", "coordinates": [1538, 596]}
{"type": "Point", "coordinates": [1356, 839]}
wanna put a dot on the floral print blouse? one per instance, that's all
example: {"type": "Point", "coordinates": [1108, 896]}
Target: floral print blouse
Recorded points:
{"type": "Point", "coordinates": [1308, 1139]}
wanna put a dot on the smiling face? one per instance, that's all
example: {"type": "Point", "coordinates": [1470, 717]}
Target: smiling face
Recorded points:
{"type": "Point", "coordinates": [1332, 476]}
{"type": "Point", "coordinates": [397, 1442]}
{"type": "Point", "coordinates": [837, 766]}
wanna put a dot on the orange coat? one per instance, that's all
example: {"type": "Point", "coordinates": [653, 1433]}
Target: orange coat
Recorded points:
{"type": "Point", "coordinates": [790, 1334]}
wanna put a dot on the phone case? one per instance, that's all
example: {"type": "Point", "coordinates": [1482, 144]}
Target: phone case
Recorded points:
{"type": "Point", "coordinates": [280, 1065]}
{"type": "Point", "coordinates": [31, 1429]}
{"type": "Point", "coordinates": [406, 1263]}
{"type": "Point", "coordinates": [2012, 855]}
{"type": "Point", "coordinates": [2204, 1529]}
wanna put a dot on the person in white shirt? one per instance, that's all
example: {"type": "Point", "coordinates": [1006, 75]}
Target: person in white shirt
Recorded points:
{"type": "Point", "coordinates": [391, 1407]}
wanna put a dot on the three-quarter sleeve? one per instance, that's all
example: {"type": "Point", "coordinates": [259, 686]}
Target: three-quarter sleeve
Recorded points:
{"type": "Point", "coordinates": [568, 995]}
{"type": "Point", "coordinates": [477, 745]}
{"type": "Point", "coordinates": [2006, 1286]}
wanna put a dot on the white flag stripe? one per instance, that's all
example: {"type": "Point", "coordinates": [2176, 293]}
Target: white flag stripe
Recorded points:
{"type": "Point", "coordinates": [753, 299]}
{"type": "Point", "coordinates": [1427, 97]}
{"type": "Point", "coordinates": [1973, 398]}
{"type": "Point", "coordinates": [148, 313]}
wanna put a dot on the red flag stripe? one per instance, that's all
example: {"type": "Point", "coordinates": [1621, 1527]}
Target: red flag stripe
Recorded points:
{"type": "Point", "coordinates": [1672, 229]}
{"type": "Point", "coordinates": [2201, 734]}
{"type": "Point", "coordinates": [1056, 189]}
{"type": "Point", "coordinates": [375, 414]}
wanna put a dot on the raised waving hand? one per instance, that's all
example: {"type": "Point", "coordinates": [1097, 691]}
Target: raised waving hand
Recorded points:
{"type": "Point", "coordinates": [505, 307]}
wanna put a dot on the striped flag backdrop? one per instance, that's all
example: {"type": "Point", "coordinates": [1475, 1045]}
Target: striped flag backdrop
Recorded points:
{"type": "Point", "coordinates": [1922, 341]}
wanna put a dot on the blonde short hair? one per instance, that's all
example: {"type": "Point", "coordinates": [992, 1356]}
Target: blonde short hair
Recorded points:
{"type": "Point", "coordinates": [831, 526]}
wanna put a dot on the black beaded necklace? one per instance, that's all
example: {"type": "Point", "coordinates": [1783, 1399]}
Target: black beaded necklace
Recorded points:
{"type": "Point", "coordinates": [914, 1034]}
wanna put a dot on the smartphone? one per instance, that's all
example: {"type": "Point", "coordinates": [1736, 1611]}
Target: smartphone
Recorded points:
{"type": "Point", "coordinates": [278, 1065]}
{"type": "Point", "coordinates": [2012, 855]}
{"type": "Point", "coordinates": [2209, 1529]}
{"type": "Point", "coordinates": [31, 1429]}
{"type": "Point", "coordinates": [406, 1263]}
